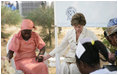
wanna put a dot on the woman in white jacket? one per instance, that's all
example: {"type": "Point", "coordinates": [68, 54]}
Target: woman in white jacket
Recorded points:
{"type": "Point", "coordinates": [71, 38]}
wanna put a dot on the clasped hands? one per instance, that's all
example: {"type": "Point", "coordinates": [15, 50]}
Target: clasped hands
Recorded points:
{"type": "Point", "coordinates": [42, 58]}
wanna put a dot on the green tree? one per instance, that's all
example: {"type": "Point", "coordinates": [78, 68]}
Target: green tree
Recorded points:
{"type": "Point", "coordinates": [9, 17]}
{"type": "Point", "coordinates": [44, 16]}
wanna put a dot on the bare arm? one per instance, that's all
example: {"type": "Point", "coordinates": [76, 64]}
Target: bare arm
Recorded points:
{"type": "Point", "coordinates": [10, 55]}
{"type": "Point", "coordinates": [40, 58]}
{"type": "Point", "coordinates": [42, 51]}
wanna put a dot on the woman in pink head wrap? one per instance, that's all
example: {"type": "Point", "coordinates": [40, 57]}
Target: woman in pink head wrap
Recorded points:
{"type": "Point", "coordinates": [24, 44]}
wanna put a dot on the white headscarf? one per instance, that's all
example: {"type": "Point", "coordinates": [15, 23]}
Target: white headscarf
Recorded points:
{"type": "Point", "coordinates": [80, 48]}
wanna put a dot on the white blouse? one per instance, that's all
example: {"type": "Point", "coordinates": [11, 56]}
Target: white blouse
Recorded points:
{"type": "Point", "coordinates": [103, 71]}
{"type": "Point", "coordinates": [70, 39]}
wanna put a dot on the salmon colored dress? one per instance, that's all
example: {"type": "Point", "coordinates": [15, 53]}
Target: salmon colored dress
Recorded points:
{"type": "Point", "coordinates": [25, 54]}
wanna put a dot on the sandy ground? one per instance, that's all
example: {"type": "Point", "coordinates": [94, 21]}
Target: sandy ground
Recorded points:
{"type": "Point", "coordinates": [13, 30]}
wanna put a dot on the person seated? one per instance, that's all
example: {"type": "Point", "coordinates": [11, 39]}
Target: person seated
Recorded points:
{"type": "Point", "coordinates": [88, 58]}
{"type": "Point", "coordinates": [79, 31]}
{"type": "Point", "coordinates": [111, 35]}
{"type": "Point", "coordinates": [24, 44]}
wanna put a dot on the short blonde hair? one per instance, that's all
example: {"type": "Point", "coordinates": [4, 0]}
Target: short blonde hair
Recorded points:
{"type": "Point", "coordinates": [78, 18]}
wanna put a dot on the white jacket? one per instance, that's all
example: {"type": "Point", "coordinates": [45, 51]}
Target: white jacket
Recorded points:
{"type": "Point", "coordinates": [70, 39]}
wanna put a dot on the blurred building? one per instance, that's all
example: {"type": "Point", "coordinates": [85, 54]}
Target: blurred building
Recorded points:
{"type": "Point", "coordinates": [26, 7]}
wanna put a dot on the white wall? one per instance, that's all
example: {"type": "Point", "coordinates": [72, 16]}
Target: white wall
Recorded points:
{"type": "Point", "coordinates": [97, 13]}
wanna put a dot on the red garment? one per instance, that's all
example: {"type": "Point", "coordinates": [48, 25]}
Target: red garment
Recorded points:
{"type": "Point", "coordinates": [25, 54]}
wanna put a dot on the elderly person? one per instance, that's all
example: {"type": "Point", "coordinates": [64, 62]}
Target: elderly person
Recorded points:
{"type": "Point", "coordinates": [111, 35]}
{"type": "Point", "coordinates": [111, 32]}
{"type": "Point", "coordinates": [24, 44]}
{"type": "Point", "coordinates": [71, 39]}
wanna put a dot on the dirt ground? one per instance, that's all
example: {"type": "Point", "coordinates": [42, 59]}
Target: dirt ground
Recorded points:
{"type": "Point", "coordinates": [14, 29]}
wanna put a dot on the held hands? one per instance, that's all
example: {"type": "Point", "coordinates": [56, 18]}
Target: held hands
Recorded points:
{"type": "Point", "coordinates": [46, 57]}
{"type": "Point", "coordinates": [41, 58]}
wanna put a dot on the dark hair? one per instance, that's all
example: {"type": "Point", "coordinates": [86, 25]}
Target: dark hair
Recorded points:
{"type": "Point", "coordinates": [105, 34]}
{"type": "Point", "coordinates": [78, 18]}
{"type": "Point", "coordinates": [91, 54]}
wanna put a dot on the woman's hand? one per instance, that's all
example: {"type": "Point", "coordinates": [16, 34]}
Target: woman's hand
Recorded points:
{"type": "Point", "coordinates": [39, 58]}
{"type": "Point", "coordinates": [46, 57]}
